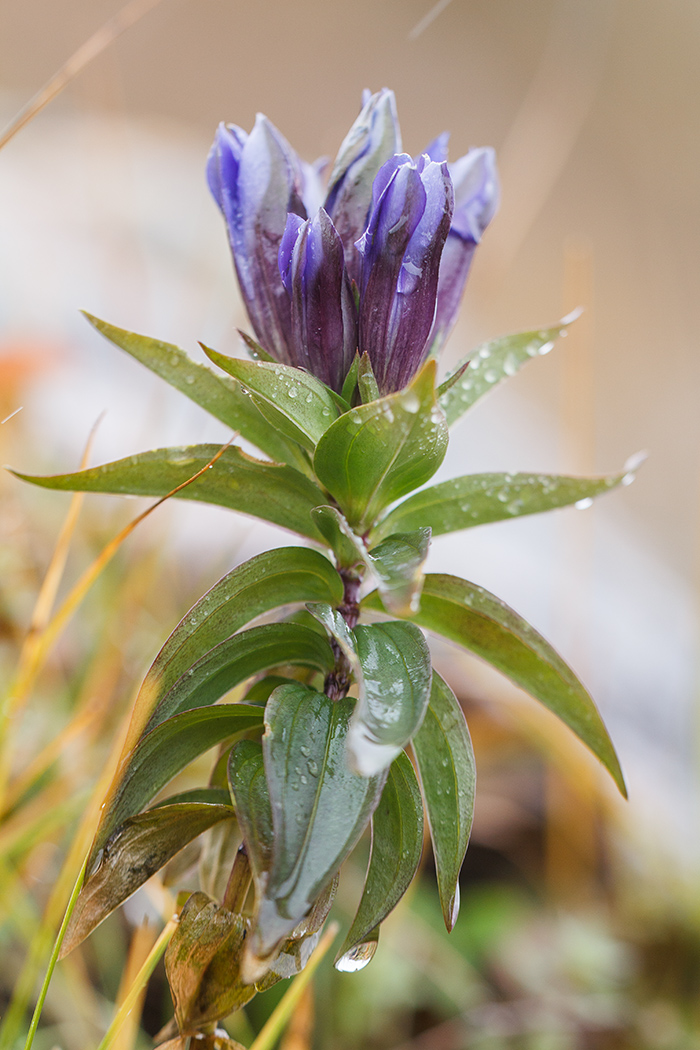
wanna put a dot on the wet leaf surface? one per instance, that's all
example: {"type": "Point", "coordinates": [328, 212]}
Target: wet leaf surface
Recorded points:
{"type": "Point", "coordinates": [447, 771]}
{"type": "Point", "coordinates": [293, 401]}
{"type": "Point", "coordinates": [472, 617]}
{"type": "Point", "coordinates": [477, 499]}
{"type": "Point", "coordinates": [397, 843]}
{"type": "Point", "coordinates": [378, 452]}
{"type": "Point", "coordinates": [269, 491]}
{"type": "Point", "coordinates": [394, 692]}
{"type": "Point", "coordinates": [137, 850]}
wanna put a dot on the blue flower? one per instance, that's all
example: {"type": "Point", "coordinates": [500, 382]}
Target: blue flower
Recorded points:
{"type": "Point", "coordinates": [401, 249]}
{"type": "Point", "coordinates": [379, 267]}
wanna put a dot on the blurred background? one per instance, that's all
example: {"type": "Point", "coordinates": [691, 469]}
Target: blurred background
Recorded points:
{"type": "Point", "coordinates": [581, 927]}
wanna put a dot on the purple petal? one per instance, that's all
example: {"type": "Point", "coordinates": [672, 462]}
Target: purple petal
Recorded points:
{"type": "Point", "coordinates": [373, 139]}
{"type": "Point", "coordinates": [401, 251]}
{"type": "Point", "coordinates": [476, 199]}
{"type": "Point", "coordinates": [284, 256]}
{"type": "Point", "coordinates": [437, 149]}
{"type": "Point", "coordinates": [257, 181]}
{"type": "Point", "coordinates": [324, 330]}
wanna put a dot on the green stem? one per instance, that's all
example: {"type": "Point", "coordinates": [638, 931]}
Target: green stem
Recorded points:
{"type": "Point", "coordinates": [54, 958]}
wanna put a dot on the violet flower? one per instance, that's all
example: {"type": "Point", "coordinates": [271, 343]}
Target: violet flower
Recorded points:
{"type": "Point", "coordinates": [401, 248]}
{"type": "Point", "coordinates": [256, 180]}
{"type": "Point", "coordinates": [324, 329]}
{"type": "Point", "coordinates": [476, 189]}
{"type": "Point", "coordinates": [373, 139]}
{"type": "Point", "coordinates": [402, 231]}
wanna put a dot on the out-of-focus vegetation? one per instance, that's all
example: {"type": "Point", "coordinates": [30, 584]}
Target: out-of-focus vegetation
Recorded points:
{"type": "Point", "coordinates": [565, 940]}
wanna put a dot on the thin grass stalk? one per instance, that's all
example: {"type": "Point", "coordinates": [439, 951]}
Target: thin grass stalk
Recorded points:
{"type": "Point", "coordinates": [93, 46]}
{"type": "Point", "coordinates": [139, 985]}
{"type": "Point", "coordinates": [52, 962]}
{"type": "Point", "coordinates": [39, 946]}
{"type": "Point", "coordinates": [142, 942]}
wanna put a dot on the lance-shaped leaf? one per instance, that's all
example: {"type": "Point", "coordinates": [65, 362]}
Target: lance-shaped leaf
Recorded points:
{"type": "Point", "coordinates": [269, 491]}
{"type": "Point", "coordinates": [222, 397]}
{"type": "Point", "coordinates": [251, 798]}
{"type": "Point", "coordinates": [474, 618]}
{"type": "Point", "coordinates": [135, 851]}
{"type": "Point", "coordinates": [319, 808]}
{"type": "Point", "coordinates": [397, 842]}
{"type": "Point", "coordinates": [274, 578]}
{"type": "Point", "coordinates": [348, 548]}
{"type": "Point", "coordinates": [232, 661]}
{"type": "Point", "coordinates": [490, 363]}
{"type": "Point", "coordinates": [447, 771]}
{"type": "Point", "coordinates": [202, 963]}
{"type": "Point", "coordinates": [161, 755]}
{"type": "Point", "coordinates": [397, 562]}
{"type": "Point", "coordinates": [476, 499]}
{"type": "Point", "coordinates": [394, 692]}
{"type": "Point", "coordinates": [378, 452]}
{"type": "Point", "coordinates": [296, 403]}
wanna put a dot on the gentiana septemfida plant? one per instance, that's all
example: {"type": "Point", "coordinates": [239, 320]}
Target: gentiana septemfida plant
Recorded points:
{"type": "Point", "coordinates": [351, 287]}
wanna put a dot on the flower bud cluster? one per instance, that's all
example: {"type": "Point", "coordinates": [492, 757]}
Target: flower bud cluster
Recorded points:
{"type": "Point", "coordinates": [376, 264]}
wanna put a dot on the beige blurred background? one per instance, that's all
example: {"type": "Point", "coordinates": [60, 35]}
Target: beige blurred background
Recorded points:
{"type": "Point", "coordinates": [593, 108]}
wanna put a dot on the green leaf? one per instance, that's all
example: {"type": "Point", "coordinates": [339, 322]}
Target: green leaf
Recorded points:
{"type": "Point", "coordinates": [251, 798]}
{"type": "Point", "coordinates": [135, 851]}
{"type": "Point", "coordinates": [397, 843]}
{"type": "Point", "coordinates": [295, 402]}
{"type": "Point", "coordinates": [398, 562]}
{"type": "Point", "coordinates": [378, 452]}
{"type": "Point", "coordinates": [477, 620]}
{"type": "Point", "coordinates": [269, 491]}
{"type": "Point", "coordinates": [202, 963]}
{"type": "Point", "coordinates": [445, 759]}
{"type": "Point", "coordinates": [394, 692]}
{"type": "Point", "coordinates": [369, 391]}
{"type": "Point", "coordinates": [232, 661]}
{"type": "Point", "coordinates": [350, 382]}
{"type": "Point", "coordinates": [476, 499]}
{"type": "Point", "coordinates": [162, 754]}
{"type": "Point", "coordinates": [339, 631]}
{"type": "Point", "coordinates": [348, 548]}
{"type": "Point", "coordinates": [222, 397]}
{"type": "Point", "coordinates": [255, 351]}
{"type": "Point", "coordinates": [210, 795]}
{"type": "Point", "coordinates": [274, 578]}
{"type": "Point", "coordinates": [489, 364]}
{"type": "Point", "coordinates": [319, 806]}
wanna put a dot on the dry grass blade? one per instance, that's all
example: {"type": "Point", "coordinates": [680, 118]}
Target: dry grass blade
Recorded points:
{"type": "Point", "coordinates": [40, 946]}
{"type": "Point", "coordinates": [92, 47]}
{"type": "Point", "coordinates": [142, 941]}
{"type": "Point", "coordinates": [29, 662]}
{"type": "Point", "coordinates": [139, 985]}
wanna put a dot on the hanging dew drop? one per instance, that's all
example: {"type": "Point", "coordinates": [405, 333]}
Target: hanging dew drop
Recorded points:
{"type": "Point", "coordinates": [583, 504]}
{"type": "Point", "coordinates": [357, 957]}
